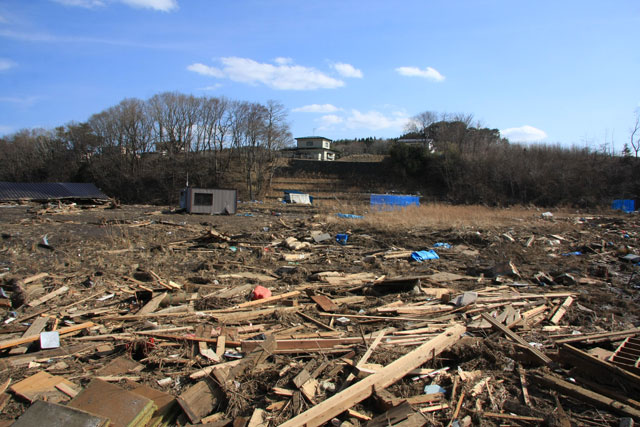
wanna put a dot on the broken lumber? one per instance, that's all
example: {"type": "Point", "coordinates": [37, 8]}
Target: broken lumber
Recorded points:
{"type": "Point", "coordinates": [391, 373]}
{"type": "Point", "coordinates": [23, 340]}
{"type": "Point", "coordinates": [48, 296]}
{"type": "Point", "coordinates": [591, 397]}
{"type": "Point", "coordinates": [600, 370]}
{"type": "Point", "coordinates": [560, 312]}
{"type": "Point", "coordinates": [543, 358]}
{"type": "Point", "coordinates": [602, 337]}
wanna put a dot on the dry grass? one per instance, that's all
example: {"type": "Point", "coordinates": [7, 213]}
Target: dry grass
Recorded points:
{"type": "Point", "coordinates": [434, 216]}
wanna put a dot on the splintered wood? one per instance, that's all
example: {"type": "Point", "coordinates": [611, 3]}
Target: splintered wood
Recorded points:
{"type": "Point", "coordinates": [142, 316]}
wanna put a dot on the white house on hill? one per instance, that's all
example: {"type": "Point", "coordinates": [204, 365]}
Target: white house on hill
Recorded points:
{"type": "Point", "coordinates": [314, 148]}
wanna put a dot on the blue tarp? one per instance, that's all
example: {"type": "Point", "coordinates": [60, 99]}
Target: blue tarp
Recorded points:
{"type": "Point", "coordinates": [424, 255]}
{"type": "Point", "coordinates": [390, 202]}
{"type": "Point", "coordinates": [625, 205]}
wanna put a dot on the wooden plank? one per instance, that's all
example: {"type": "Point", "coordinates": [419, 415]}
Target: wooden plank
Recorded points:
{"type": "Point", "coordinates": [512, 417]}
{"type": "Point", "coordinates": [523, 383]}
{"type": "Point", "coordinates": [325, 303]}
{"type": "Point", "coordinates": [258, 419]}
{"type": "Point", "coordinates": [48, 296]}
{"type": "Point", "coordinates": [19, 341]}
{"type": "Point", "coordinates": [269, 300]}
{"type": "Point", "coordinates": [543, 358]}
{"type": "Point", "coordinates": [220, 345]}
{"type": "Point", "coordinates": [391, 373]}
{"type": "Point", "coordinates": [364, 358]}
{"type": "Point", "coordinates": [152, 305]}
{"type": "Point", "coordinates": [315, 322]}
{"type": "Point", "coordinates": [593, 398]}
{"type": "Point", "coordinates": [34, 330]}
{"type": "Point", "coordinates": [34, 278]}
{"type": "Point", "coordinates": [599, 370]}
{"type": "Point", "coordinates": [39, 384]}
{"type": "Point", "coordinates": [199, 400]}
{"type": "Point", "coordinates": [560, 312]}
{"type": "Point", "coordinates": [601, 337]}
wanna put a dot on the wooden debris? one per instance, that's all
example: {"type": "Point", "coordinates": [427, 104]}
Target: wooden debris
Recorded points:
{"type": "Point", "coordinates": [560, 311]}
{"type": "Point", "coordinates": [122, 407]}
{"type": "Point", "coordinates": [544, 359]}
{"type": "Point", "coordinates": [591, 397]}
{"type": "Point", "coordinates": [48, 296]}
{"type": "Point", "coordinates": [339, 402]}
{"type": "Point", "coordinates": [199, 400]}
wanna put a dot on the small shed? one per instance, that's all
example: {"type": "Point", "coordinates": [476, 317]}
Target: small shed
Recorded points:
{"type": "Point", "coordinates": [210, 201]}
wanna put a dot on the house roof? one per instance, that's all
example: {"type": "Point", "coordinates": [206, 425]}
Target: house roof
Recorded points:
{"type": "Point", "coordinates": [313, 137]}
{"type": "Point", "coordinates": [49, 190]}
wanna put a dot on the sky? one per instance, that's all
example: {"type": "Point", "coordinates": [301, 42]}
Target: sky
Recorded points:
{"type": "Point", "coordinates": [543, 71]}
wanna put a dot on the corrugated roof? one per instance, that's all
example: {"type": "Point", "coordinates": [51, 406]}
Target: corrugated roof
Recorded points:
{"type": "Point", "coordinates": [49, 190]}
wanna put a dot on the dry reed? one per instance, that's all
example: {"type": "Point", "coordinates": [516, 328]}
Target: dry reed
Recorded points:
{"type": "Point", "coordinates": [434, 216]}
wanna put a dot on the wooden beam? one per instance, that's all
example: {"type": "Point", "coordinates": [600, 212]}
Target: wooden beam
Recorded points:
{"type": "Point", "coordinates": [391, 373]}
{"type": "Point", "coordinates": [265, 301]}
{"type": "Point", "coordinates": [512, 417]}
{"type": "Point", "coordinates": [600, 370]}
{"type": "Point", "coordinates": [48, 296]}
{"type": "Point", "coordinates": [19, 341]}
{"type": "Point", "coordinates": [543, 358]}
{"type": "Point", "coordinates": [560, 312]}
{"type": "Point", "coordinates": [601, 337]}
{"type": "Point", "coordinates": [593, 398]}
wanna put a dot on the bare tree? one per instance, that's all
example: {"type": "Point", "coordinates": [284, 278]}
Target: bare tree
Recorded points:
{"type": "Point", "coordinates": [635, 134]}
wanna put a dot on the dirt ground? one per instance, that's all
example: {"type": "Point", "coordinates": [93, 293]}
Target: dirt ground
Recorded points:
{"type": "Point", "coordinates": [114, 261]}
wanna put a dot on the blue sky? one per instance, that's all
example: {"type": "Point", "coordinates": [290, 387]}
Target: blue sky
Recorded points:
{"type": "Point", "coordinates": [549, 71]}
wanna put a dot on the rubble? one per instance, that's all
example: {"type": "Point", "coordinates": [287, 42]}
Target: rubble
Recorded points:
{"type": "Point", "coordinates": [139, 317]}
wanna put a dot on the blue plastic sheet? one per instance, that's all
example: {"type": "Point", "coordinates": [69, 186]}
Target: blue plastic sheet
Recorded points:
{"type": "Point", "coordinates": [391, 202]}
{"type": "Point", "coordinates": [350, 216]}
{"type": "Point", "coordinates": [576, 253]}
{"type": "Point", "coordinates": [420, 256]}
{"type": "Point", "coordinates": [342, 238]}
{"type": "Point", "coordinates": [442, 245]}
{"type": "Point", "coordinates": [625, 205]}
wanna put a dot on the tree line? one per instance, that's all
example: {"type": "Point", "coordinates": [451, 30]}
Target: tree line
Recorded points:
{"type": "Point", "coordinates": [147, 150]}
{"type": "Point", "coordinates": [464, 163]}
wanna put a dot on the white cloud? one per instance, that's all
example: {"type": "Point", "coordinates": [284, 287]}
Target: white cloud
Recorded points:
{"type": "Point", "coordinates": [23, 102]}
{"type": "Point", "coordinates": [205, 70]}
{"type": "Point", "coordinates": [370, 120]}
{"type": "Point", "coordinates": [212, 87]}
{"type": "Point", "coordinates": [5, 64]}
{"type": "Point", "coordinates": [316, 108]}
{"type": "Point", "coordinates": [428, 73]}
{"type": "Point", "coordinates": [329, 121]}
{"type": "Point", "coordinates": [161, 5]}
{"type": "Point", "coordinates": [87, 4]}
{"type": "Point", "coordinates": [347, 70]}
{"type": "Point", "coordinates": [524, 133]}
{"type": "Point", "coordinates": [53, 38]}
{"type": "Point", "coordinates": [374, 120]}
{"type": "Point", "coordinates": [281, 60]}
{"type": "Point", "coordinates": [280, 76]}
{"type": "Point", "coordinates": [4, 129]}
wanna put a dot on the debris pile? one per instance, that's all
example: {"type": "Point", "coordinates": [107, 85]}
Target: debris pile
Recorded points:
{"type": "Point", "coordinates": [134, 317]}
